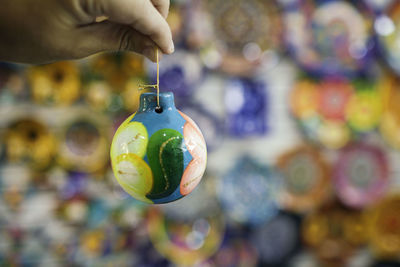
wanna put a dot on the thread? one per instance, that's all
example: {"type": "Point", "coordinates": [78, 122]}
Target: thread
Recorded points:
{"type": "Point", "coordinates": [158, 79]}
{"type": "Point", "coordinates": [157, 85]}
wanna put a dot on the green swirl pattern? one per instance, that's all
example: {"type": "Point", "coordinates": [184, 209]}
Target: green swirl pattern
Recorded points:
{"type": "Point", "coordinates": [165, 156]}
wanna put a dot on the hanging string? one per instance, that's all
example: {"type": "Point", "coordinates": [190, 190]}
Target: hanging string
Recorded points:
{"type": "Point", "coordinates": [158, 79]}
{"type": "Point", "coordinates": [157, 85]}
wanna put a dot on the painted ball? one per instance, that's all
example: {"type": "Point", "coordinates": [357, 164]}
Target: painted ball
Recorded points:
{"type": "Point", "coordinates": [158, 154]}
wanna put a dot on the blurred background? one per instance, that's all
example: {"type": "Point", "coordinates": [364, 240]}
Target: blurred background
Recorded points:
{"type": "Point", "coordinates": [299, 102]}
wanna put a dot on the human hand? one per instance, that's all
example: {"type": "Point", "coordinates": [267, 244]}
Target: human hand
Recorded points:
{"type": "Point", "coordinates": [33, 31]}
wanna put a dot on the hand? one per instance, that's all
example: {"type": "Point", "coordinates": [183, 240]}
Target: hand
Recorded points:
{"type": "Point", "coordinates": [41, 31]}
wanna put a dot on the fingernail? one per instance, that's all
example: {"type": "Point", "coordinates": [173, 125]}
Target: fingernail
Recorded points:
{"type": "Point", "coordinates": [171, 49]}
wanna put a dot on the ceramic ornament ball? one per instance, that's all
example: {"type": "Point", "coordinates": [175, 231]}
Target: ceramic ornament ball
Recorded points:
{"type": "Point", "coordinates": [158, 155]}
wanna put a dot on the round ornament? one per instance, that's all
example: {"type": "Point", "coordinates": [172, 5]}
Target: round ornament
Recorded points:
{"type": "Point", "coordinates": [328, 37]}
{"type": "Point", "coordinates": [384, 228]}
{"type": "Point", "coordinates": [158, 154]}
{"type": "Point", "coordinates": [306, 176]}
{"type": "Point", "coordinates": [361, 175]}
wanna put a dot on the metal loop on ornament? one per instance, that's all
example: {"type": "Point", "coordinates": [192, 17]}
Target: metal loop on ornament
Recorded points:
{"type": "Point", "coordinates": [155, 86]}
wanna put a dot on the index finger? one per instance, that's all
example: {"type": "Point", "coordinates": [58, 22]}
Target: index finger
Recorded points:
{"type": "Point", "coordinates": [141, 15]}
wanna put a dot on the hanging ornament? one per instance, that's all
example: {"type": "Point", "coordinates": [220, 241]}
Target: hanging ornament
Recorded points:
{"type": "Point", "coordinates": [158, 154]}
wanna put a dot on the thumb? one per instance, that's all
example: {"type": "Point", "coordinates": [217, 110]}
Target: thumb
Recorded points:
{"type": "Point", "coordinates": [109, 36]}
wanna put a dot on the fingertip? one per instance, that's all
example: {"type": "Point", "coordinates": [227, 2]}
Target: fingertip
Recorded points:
{"type": "Point", "coordinates": [168, 49]}
{"type": "Point", "coordinates": [171, 48]}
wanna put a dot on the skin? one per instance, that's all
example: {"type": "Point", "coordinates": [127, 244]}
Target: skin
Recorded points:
{"type": "Point", "coordinates": [44, 31]}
